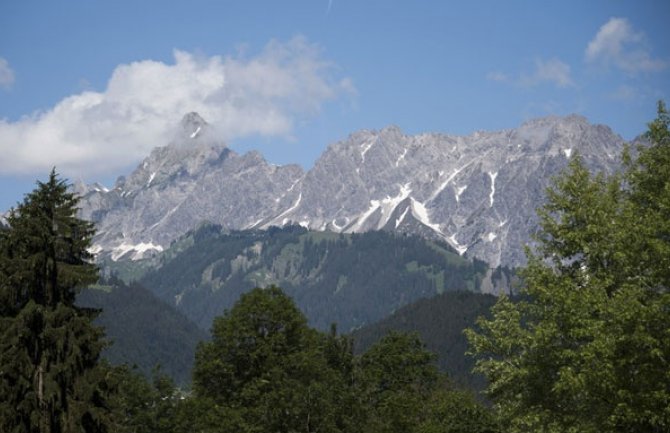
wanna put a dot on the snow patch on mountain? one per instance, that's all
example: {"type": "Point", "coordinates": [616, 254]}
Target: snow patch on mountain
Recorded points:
{"type": "Point", "coordinates": [493, 176]}
{"type": "Point", "coordinates": [288, 211]}
{"type": "Point", "coordinates": [390, 203]}
{"type": "Point", "coordinates": [401, 218]}
{"type": "Point", "coordinates": [421, 213]}
{"type": "Point", "coordinates": [365, 147]}
{"type": "Point", "coordinates": [458, 191]}
{"type": "Point", "coordinates": [446, 182]}
{"type": "Point", "coordinates": [461, 249]}
{"type": "Point", "coordinates": [138, 250]}
{"type": "Point", "coordinates": [401, 157]}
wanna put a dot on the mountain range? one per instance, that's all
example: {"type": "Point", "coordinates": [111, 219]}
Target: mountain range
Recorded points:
{"type": "Point", "coordinates": [477, 192]}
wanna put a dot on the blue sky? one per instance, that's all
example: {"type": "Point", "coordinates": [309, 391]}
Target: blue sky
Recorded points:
{"type": "Point", "coordinates": [92, 86]}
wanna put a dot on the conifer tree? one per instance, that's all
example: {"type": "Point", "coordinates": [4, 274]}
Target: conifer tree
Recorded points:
{"type": "Point", "coordinates": [49, 379]}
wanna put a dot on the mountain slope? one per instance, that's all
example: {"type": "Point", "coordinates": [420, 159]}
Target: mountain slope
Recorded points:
{"type": "Point", "coordinates": [477, 192]}
{"type": "Point", "coordinates": [440, 322]}
{"type": "Point", "coordinates": [193, 179]}
{"type": "Point", "coordinates": [144, 330]}
{"type": "Point", "coordinates": [348, 279]}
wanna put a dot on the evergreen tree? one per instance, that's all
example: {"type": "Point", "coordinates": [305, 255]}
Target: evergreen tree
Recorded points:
{"type": "Point", "coordinates": [49, 380]}
{"type": "Point", "coordinates": [588, 348]}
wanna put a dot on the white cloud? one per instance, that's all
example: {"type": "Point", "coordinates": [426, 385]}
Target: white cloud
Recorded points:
{"type": "Point", "coordinates": [618, 44]}
{"type": "Point", "coordinates": [101, 132]}
{"type": "Point", "coordinates": [6, 74]}
{"type": "Point", "coordinates": [552, 71]}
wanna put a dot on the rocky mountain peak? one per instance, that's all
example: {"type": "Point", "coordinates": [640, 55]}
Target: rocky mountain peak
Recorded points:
{"type": "Point", "coordinates": [477, 192]}
{"type": "Point", "coordinates": [391, 130]}
{"type": "Point", "coordinates": [192, 124]}
{"type": "Point", "coordinates": [192, 179]}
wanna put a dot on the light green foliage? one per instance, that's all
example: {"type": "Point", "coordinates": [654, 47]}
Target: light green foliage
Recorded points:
{"type": "Point", "coordinates": [49, 379]}
{"type": "Point", "coordinates": [649, 179]}
{"type": "Point", "coordinates": [403, 392]}
{"type": "Point", "coordinates": [587, 347]}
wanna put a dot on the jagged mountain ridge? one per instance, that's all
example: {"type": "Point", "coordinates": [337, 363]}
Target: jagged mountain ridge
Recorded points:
{"type": "Point", "coordinates": [194, 179]}
{"type": "Point", "coordinates": [478, 192]}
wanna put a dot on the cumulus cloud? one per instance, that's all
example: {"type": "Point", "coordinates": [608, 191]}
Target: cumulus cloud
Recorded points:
{"type": "Point", "coordinates": [101, 132]}
{"type": "Point", "coordinates": [6, 74]}
{"type": "Point", "coordinates": [618, 44]}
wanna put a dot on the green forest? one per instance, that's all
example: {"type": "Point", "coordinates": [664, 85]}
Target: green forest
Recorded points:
{"type": "Point", "coordinates": [143, 331]}
{"type": "Point", "coordinates": [584, 348]}
{"type": "Point", "coordinates": [351, 279]}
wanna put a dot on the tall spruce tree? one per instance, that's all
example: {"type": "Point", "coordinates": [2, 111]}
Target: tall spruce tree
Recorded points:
{"type": "Point", "coordinates": [588, 347]}
{"type": "Point", "coordinates": [49, 350]}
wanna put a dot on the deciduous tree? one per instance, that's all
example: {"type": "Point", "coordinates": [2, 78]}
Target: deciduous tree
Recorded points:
{"type": "Point", "coordinates": [587, 349]}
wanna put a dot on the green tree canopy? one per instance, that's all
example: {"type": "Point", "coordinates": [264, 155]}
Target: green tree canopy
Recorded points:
{"type": "Point", "coordinates": [587, 349]}
{"type": "Point", "coordinates": [399, 375]}
{"type": "Point", "coordinates": [49, 380]}
{"type": "Point", "coordinates": [269, 368]}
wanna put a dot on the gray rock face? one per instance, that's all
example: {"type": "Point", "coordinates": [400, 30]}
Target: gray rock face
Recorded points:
{"type": "Point", "coordinates": [193, 179]}
{"type": "Point", "coordinates": [478, 192]}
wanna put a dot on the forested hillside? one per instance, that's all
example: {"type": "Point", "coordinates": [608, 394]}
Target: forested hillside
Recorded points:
{"type": "Point", "coordinates": [143, 330]}
{"type": "Point", "coordinates": [347, 279]}
{"type": "Point", "coordinates": [439, 322]}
